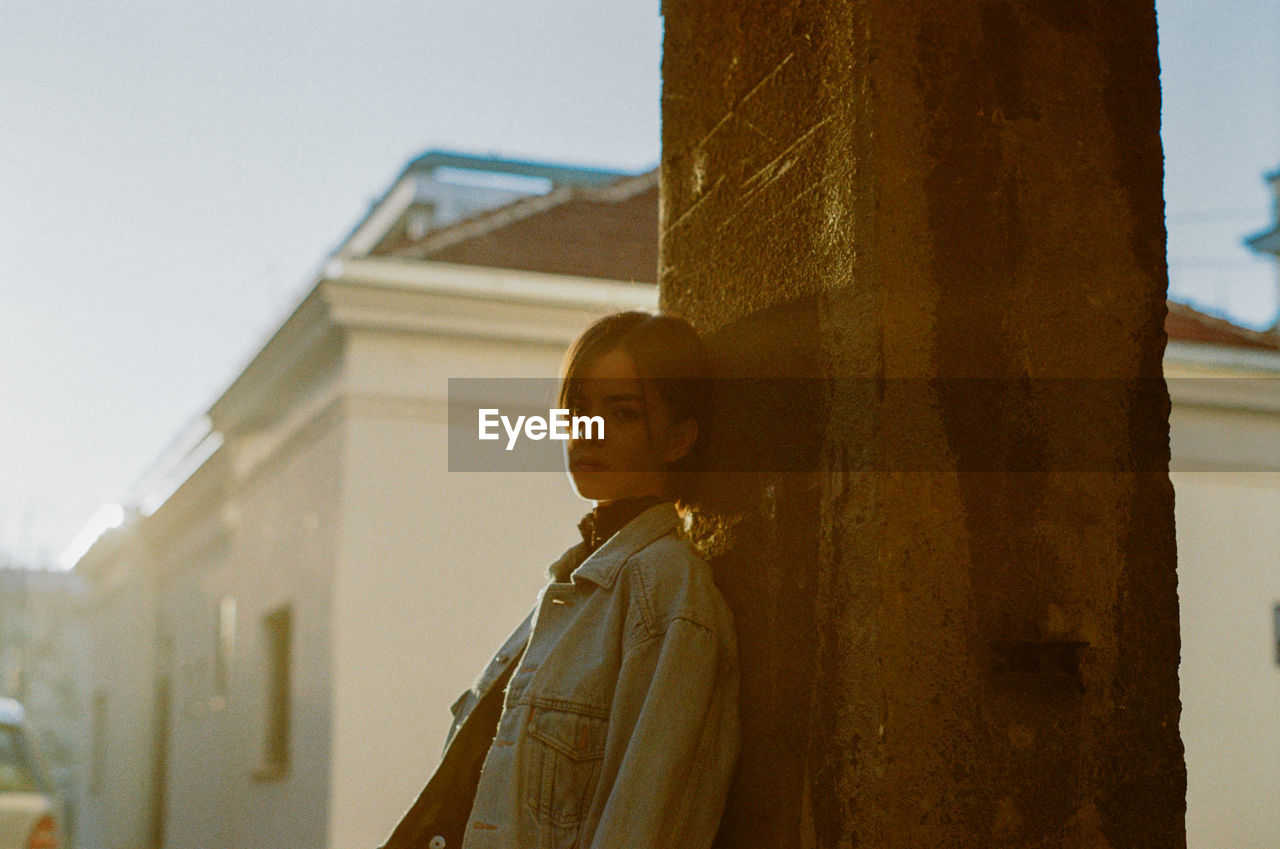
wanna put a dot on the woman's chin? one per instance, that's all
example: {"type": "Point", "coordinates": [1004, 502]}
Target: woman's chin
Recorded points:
{"type": "Point", "coordinates": [589, 486]}
{"type": "Point", "coordinates": [612, 485]}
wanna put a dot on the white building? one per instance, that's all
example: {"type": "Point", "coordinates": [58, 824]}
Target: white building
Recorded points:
{"type": "Point", "coordinates": [280, 625]}
{"type": "Point", "coordinates": [1225, 430]}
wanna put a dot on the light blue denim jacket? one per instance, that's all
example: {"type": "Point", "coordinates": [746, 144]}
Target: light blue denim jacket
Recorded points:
{"type": "Point", "coordinates": [619, 727]}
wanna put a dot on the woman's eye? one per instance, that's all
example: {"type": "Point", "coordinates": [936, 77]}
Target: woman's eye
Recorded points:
{"type": "Point", "coordinates": [626, 414]}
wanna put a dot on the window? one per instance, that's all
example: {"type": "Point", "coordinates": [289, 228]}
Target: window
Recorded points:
{"type": "Point", "coordinates": [1275, 630]}
{"type": "Point", "coordinates": [277, 628]}
{"type": "Point", "coordinates": [224, 651]}
{"type": "Point", "coordinates": [422, 217]}
{"type": "Point", "coordinates": [98, 731]}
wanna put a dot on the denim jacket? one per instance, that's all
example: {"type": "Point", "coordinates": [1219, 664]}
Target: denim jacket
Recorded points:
{"type": "Point", "coordinates": [619, 726]}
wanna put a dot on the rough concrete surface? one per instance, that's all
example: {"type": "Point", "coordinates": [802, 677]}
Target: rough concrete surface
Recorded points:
{"type": "Point", "coordinates": [958, 614]}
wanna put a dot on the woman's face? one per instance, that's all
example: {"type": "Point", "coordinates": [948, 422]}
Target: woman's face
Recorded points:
{"type": "Point", "coordinates": [631, 459]}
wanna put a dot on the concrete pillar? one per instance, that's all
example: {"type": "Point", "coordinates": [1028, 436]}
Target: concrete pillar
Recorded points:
{"type": "Point", "coordinates": [955, 576]}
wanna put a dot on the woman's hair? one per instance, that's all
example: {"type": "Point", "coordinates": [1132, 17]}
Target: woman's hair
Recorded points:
{"type": "Point", "coordinates": [669, 354]}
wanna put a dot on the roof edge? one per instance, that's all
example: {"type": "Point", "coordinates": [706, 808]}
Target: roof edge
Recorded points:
{"type": "Point", "coordinates": [494, 219]}
{"type": "Point", "coordinates": [556, 172]}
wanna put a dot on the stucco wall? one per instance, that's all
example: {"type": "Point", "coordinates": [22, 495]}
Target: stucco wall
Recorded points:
{"type": "Point", "coordinates": [277, 547]}
{"type": "Point", "coordinates": [436, 567]}
{"type": "Point", "coordinates": [208, 754]}
{"type": "Point", "coordinates": [1225, 442]}
{"type": "Point", "coordinates": [121, 655]}
{"type": "Point", "coordinates": [1229, 581]}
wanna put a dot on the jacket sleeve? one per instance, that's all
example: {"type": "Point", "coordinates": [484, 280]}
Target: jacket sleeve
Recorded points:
{"type": "Point", "coordinates": [673, 740]}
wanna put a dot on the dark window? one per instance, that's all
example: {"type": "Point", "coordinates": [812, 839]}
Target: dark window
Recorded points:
{"type": "Point", "coordinates": [1275, 630]}
{"type": "Point", "coordinates": [98, 733]}
{"type": "Point", "coordinates": [277, 629]}
{"type": "Point", "coordinates": [160, 761]}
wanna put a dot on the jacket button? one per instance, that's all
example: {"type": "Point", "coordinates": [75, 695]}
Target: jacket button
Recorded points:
{"type": "Point", "coordinates": [437, 842]}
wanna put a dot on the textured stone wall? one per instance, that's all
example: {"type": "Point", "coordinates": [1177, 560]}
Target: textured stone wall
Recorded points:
{"type": "Point", "coordinates": [955, 577]}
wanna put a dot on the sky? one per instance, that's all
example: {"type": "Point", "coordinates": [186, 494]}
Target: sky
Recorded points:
{"type": "Point", "coordinates": [173, 175]}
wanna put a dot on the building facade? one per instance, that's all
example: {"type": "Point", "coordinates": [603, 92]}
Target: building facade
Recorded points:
{"type": "Point", "coordinates": [280, 623]}
{"type": "Point", "coordinates": [1225, 440]}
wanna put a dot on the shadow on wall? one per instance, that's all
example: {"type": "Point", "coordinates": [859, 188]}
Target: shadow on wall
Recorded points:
{"type": "Point", "coordinates": [759, 529]}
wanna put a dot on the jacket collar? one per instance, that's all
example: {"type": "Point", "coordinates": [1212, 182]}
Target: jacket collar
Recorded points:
{"type": "Point", "coordinates": [603, 564]}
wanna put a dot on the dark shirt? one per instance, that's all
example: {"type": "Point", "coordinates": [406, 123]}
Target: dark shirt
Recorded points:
{"type": "Point", "coordinates": [607, 519]}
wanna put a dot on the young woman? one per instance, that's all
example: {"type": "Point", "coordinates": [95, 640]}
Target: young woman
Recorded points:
{"type": "Point", "coordinates": [610, 717]}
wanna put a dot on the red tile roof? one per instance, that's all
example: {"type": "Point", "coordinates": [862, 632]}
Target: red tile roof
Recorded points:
{"type": "Point", "coordinates": [1187, 324]}
{"type": "Point", "coordinates": [609, 232]}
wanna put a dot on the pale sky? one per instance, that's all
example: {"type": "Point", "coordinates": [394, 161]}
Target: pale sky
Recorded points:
{"type": "Point", "coordinates": [172, 175]}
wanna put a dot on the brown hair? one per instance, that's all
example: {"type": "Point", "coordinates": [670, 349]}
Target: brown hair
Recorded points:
{"type": "Point", "coordinates": [666, 351]}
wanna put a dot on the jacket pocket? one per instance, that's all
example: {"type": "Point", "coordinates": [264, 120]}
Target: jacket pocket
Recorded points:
{"type": "Point", "coordinates": [565, 752]}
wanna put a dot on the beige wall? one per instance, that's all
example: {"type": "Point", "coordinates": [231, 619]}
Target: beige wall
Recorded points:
{"type": "Point", "coordinates": [121, 624]}
{"type": "Point", "coordinates": [436, 568]}
{"type": "Point", "coordinates": [1229, 578]}
{"type": "Point", "coordinates": [1225, 441]}
{"type": "Point", "coordinates": [204, 763]}
{"type": "Point", "coordinates": [266, 542]}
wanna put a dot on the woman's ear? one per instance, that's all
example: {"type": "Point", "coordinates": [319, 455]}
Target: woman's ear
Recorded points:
{"type": "Point", "coordinates": [682, 437]}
